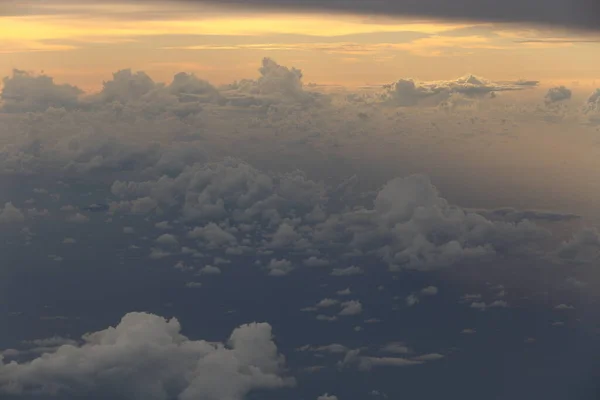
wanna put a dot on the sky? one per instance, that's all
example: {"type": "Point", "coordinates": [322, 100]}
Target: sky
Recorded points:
{"type": "Point", "coordinates": [83, 42]}
{"type": "Point", "coordinates": [299, 200]}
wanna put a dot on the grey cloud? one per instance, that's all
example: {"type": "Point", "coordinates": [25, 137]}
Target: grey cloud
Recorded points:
{"type": "Point", "coordinates": [24, 92]}
{"type": "Point", "coordinates": [584, 246]}
{"type": "Point", "coordinates": [429, 291]}
{"type": "Point", "coordinates": [327, 396]}
{"type": "Point", "coordinates": [351, 307]}
{"type": "Point", "coordinates": [593, 101]}
{"type": "Point", "coordinates": [576, 14]}
{"type": "Point", "coordinates": [408, 92]}
{"type": "Point", "coordinates": [352, 270]}
{"type": "Point", "coordinates": [162, 364]}
{"type": "Point", "coordinates": [412, 226]}
{"type": "Point", "coordinates": [514, 215]}
{"type": "Point", "coordinates": [557, 94]}
{"type": "Point", "coordinates": [279, 267]}
{"type": "Point", "coordinates": [11, 214]}
{"type": "Point", "coordinates": [276, 84]}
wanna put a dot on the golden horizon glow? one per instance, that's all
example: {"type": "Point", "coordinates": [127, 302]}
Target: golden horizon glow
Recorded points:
{"type": "Point", "coordinates": [224, 45]}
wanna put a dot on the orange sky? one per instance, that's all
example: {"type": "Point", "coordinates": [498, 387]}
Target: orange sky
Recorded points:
{"type": "Point", "coordinates": [84, 44]}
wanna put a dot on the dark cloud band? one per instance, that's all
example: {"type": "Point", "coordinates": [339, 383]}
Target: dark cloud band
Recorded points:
{"type": "Point", "coordinates": [574, 14]}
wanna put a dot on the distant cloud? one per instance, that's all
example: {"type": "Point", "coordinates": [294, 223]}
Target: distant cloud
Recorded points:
{"type": "Point", "coordinates": [24, 92]}
{"type": "Point", "coordinates": [408, 92]}
{"type": "Point", "coordinates": [557, 94]}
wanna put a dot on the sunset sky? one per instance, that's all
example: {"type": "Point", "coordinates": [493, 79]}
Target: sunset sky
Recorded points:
{"type": "Point", "coordinates": [86, 41]}
{"type": "Point", "coordinates": [299, 200]}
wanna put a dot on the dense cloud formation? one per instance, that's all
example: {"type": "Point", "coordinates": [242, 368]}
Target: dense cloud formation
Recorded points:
{"type": "Point", "coordinates": [408, 92]}
{"type": "Point", "coordinates": [146, 357]}
{"type": "Point", "coordinates": [410, 225]}
{"type": "Point", "coordinates": [557, 94]}
{"type": "Point", "coordinates": [24, 91]}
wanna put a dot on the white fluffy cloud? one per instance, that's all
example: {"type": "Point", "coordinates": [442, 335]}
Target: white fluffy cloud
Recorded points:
{"type": "Point", "coordinates": [146, 357]}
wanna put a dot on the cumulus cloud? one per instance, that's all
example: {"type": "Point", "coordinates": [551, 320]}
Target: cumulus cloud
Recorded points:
{"type": "Point", "coordinates": [557, 94]}
{"type": "Point", "coordinates": [411, 226]}
{"type": "Point", "coordinates": [23, 92]}
{"type": "Point", "coordinates": [593, 101]}
{"type": "Point", "coordinates": [146, 357]}
{"type": "Point", "coordinates": [279, 267]}
{"type": "Point", "coordinates": [408, 92]}
{"type": "Point", "coordinates": [11, 214]}
{"type": "Point", "coordinates": [276, 84]}
{"type": "Point", "coordinates": [429, 291]}
{"type": "Point", "coordinates": [411, 300]}
{"type": "Point", "coordinates": [327, 396]}
{"type": "Point", "coordinates": [351, 307]}
{"type": "Point", "coordinates": [584, 246]}
{"type": "Point", "coordinates": [348, 271]}
{"type": "Point", "coordinates": [126, 86]}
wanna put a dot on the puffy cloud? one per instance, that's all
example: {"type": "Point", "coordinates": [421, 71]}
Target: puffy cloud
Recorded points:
{"type": "Point", "coordinates": [146, 357]}
{"type": "Point", "coordinates": [412, 226]}
{"type": "Point", "coordinates": [313, 261]}
{"type": "Point", "coordinates": [188, 87]}
{"type": "Point", "coordinates": [275, 84]}
{"type": "Point", "coordinates": [562, 307]}
{"type": "Point", "coordinates": [327, 303]}
{"type": "Point", "coordinates": [412, 300]}
{"type": "Point", "coordinates": [408, 92]}
{"type": "Point", "coordinates": [327, 396]}
{"type": "Point", "coordinates": [213, 235]}
{"type": "Point", "coordinates": [24, 92]}
{"type": "Point", "coordinates": [229, 189]}
{"type": "Point", "coordinates": [209, 270]}
{"type": "Point", "coordinates": [126, 86]}
{"type": "Point", "coordinates": [348, 271]}
{"type": "Point", "coordinates": [167, 240]}
{"type": "Point", "coordinates": [352, 307]}
{"type": "Point", "coordinates": [480, 305]}
{"type": "Point", "coordinates": [429, 291]}
{"type": "Point", "coordinates": [584, 246]}
{"type": "Point", "coordinates": [557, 94]}
{"type": "Point", "coordinates": [11, 214]}
{"type": "Point", "coordinates": [396, 348]}
{"type": "Point", "coordinates": [593, 101]}
{"type": "Point", "coordinates": [279, 267]}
